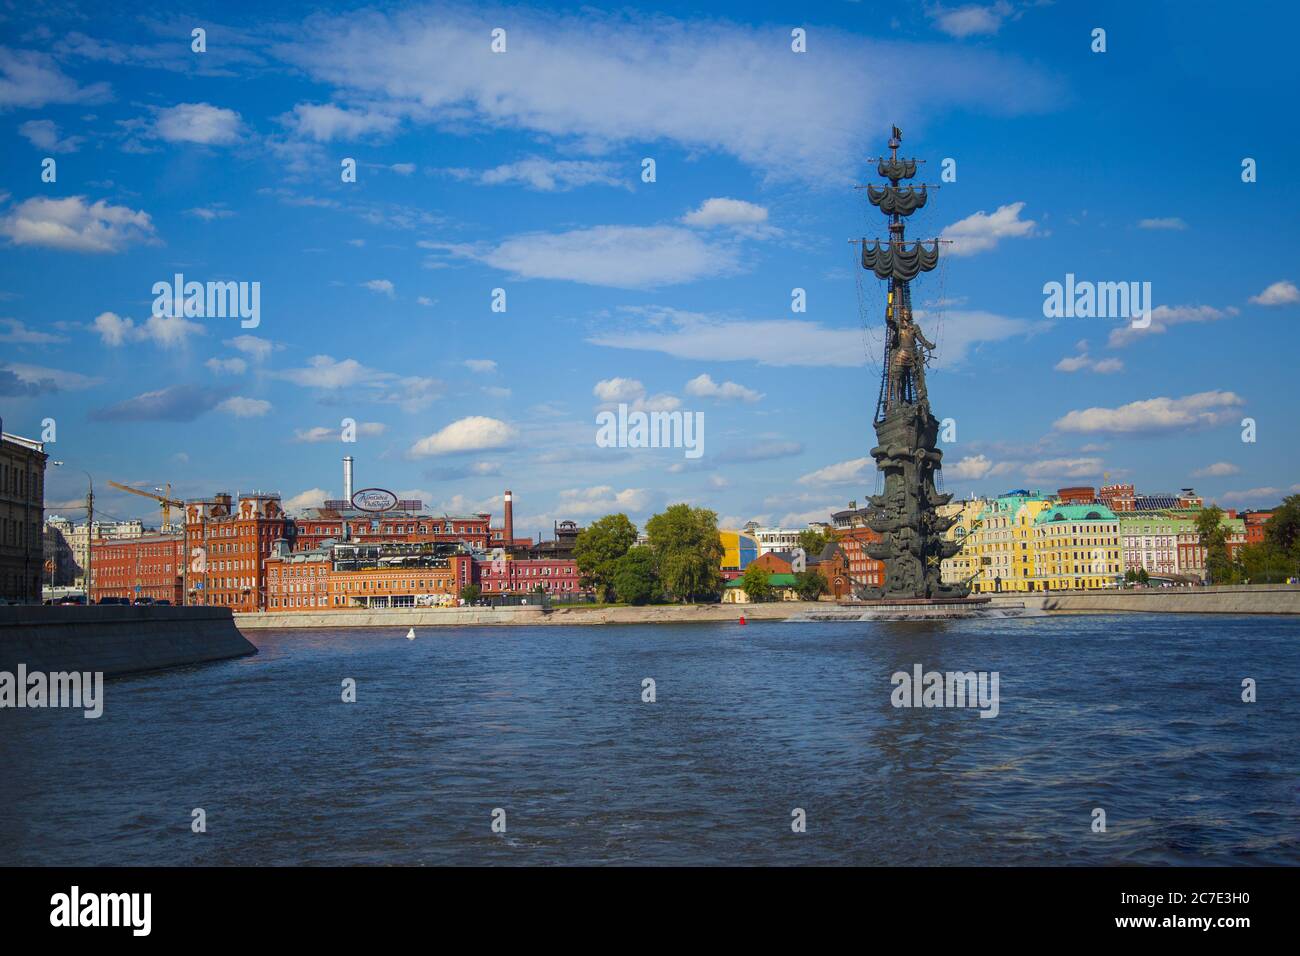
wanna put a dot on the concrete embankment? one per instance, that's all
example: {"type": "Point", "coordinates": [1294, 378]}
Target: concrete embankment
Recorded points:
{"type": "Point", "coordinates": [117, 640]}
{"type": "Point", "coordinates": [468, 616]}
{"type": "Point", "coordinates": [1263, 599]}
{"type": "Point", "coordinates": [1247, 599]}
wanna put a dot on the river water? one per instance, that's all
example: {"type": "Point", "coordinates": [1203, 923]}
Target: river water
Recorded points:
{"type": "Point", "coordinates": [1140, 716]}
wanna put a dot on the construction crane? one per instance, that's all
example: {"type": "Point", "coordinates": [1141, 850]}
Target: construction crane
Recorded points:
{"type": "Point", "coordinates": [165, 500]}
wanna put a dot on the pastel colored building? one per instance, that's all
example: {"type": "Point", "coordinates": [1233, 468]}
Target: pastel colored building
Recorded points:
{"type": "Point", "coordinates": [739, 548]}
{"type": "Point", "coordinates": [1004, 542]}
{"type": "Point", "coordinates": [1076, 548]}
{"type": "Point", "coordinates": [964, 565]}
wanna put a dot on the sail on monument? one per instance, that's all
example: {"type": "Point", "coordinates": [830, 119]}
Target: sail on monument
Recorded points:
{"type": "Point", "coordinates": [905, 516]}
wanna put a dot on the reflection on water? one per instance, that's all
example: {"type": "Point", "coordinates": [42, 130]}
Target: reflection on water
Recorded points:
{"type": "Point", "coordinates": [1138, 715]}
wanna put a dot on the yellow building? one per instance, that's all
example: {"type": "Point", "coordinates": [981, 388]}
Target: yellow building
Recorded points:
{"type": "Point", "coordinates": [1077, 547]}
{"type": "Point", "coordinates": [962, 566]}
{"type": "Point", "coordinates": [1003, 545]}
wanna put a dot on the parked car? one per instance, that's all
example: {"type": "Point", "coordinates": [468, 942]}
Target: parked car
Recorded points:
{"type": "Point", "coordinates": [114, 600]}
{"type": "Point", "coordinates": [160, 603]}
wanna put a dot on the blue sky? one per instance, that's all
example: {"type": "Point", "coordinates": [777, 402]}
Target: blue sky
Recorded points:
{"type": "Point", "coordinates": [522, 171]}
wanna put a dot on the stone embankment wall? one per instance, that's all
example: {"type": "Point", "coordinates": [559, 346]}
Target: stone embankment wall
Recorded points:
{"type": "Point", "coordinates": [1250, 599]}
{"type": "Point", "coordinates": [1264, 599]}
{"type": "Point", "coordinates": [463, 616]}
{"type": "Point", "coordinates": [117, 640]}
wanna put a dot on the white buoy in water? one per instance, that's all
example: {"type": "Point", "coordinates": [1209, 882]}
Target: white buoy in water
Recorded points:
{"type": "Point", "coordinates": [410, 635]}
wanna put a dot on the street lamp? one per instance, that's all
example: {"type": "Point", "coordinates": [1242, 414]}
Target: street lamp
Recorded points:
{"type": "Point", "coordinates": [90, 535]}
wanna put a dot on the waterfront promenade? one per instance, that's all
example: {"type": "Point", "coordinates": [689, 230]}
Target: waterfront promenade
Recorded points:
{"type": "Point", "coordinates": [1246, 599]}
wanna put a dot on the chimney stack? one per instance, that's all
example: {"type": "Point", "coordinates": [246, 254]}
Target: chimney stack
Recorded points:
{"type": "Point", "coordinates": [509, 530]}
{"type": "Point", "coordinates": [347, 480]}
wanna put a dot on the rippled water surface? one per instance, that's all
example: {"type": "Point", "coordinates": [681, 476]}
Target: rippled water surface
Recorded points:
{"type": "Point", "coordinates": [1139, 715]}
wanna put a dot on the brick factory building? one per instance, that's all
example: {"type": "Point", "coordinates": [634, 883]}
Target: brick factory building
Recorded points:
{"type": "Point", "coordinates": [852, 535]}
{"type": "Point", "coordinates": [227, 545]}
{"type": "Point", "coordinates": [149, 567]}
{"type": "Point", "coordinates": [522, 575]}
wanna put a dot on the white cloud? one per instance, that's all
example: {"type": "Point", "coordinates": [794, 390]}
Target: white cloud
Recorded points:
{"type": "Point", "coordinates": [1170, 222]}
{"type": "Point", "coordinates": [1153, 415]}
{"type": "Point", "coordinates": [970, 468]}
{"type": "Point", "coordinates": [602, 500]}
{"type": "Point", "coordinates": [1255, 496]}
{"type": "Point", "coordinates": [381, 286]}
{"type": "Point", "coordinates": [327, 373]}
{"type": "Point", "coordinates": [40, 378]}
{"type": "Point", "coordinates": [841, 473]}
{"type": "Point", "coordinates": [475, 433]}
{"type": "Point", "coordinates": [197, 123]}
{"type": "Point", "coordinates": [30, 79]}
{"type": "Point", "coordinates": [614, 391]}
{"type": "Point", "coordinates": [231, 366]}
{"type": "Point", "coordinates": [326, 122]}
{"type": "Point", "coordinates": [982, 231]}
{"type": "Point", "coordinates": [1219, 469]}
{"type": "Point", "coordinates": [311, 498]}
{"type": "Point", "coordinates": [623, 257]}
{"type": "Point", "coordinates": [1164, 316]}
{"type": "Point", "coordinates": [44, 134]}
{"type": "Point", "coordinates": [209, 213]}
{"type": "Point", "coordinates": [1082, 361]}
{"type": "Point", "coordinates": [480, 365]}
{"type": "Point", "coordinates": [20, 334]}
{"type": "Point", "coordinates": [972, 19]}
{"type": "Point", "coordinates": [1064, 468]}
{"type": "Point", "coordinates": [258, 349]}
{"type": "Point", "coordinates": [784, 342]}
{"type": "Point", "coordinates": [167, 332]}
{"type": "Point", "coordinates": [726, 212]}
{"type": "Point", "coordinates": [602, 80]}
{"type": "Point", "coordinates": [75, 225]}
{"type": "Point", "coordinates": [323, 433]}
{"type": "Point", "coordinates": [618, 390]}
{"type": "Point", "coordinates": [703, 386]}
{"type": "Point", "coordinates": [1279, 293]}
{"type": "Point", "coordinates": [242, 407]}
{"type": "Point", "coordinates": [547, 175]}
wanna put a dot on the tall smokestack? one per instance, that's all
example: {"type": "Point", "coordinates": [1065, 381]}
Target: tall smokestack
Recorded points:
{"type": "Point", "coordinates": [510, 519]}
{"type": "Point", "coordinates": [347, 478]}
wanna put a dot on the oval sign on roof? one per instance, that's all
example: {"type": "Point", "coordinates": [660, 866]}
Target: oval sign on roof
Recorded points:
{"type": "Point", "coordinates": [374, 499]}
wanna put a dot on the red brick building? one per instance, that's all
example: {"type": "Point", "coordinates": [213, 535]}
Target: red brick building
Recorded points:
{"type": "Point", "coordinates": [1119, 497]}
{"type": "Point", "coordinates": [1079, 495]}
{"type": "Point", "coordinates": [150, 566]}
{"type": "Point", "coordinates": [227, 545]}
{"type": "Point", "coordinates": [1255, 521]}
{"type": "Point", "coordinates": [522, 575]}
{"type": "Point", "coordinates": [852, 534]}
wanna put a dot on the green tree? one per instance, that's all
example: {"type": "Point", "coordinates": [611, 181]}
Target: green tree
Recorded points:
{"type": "Point", "coordinates": [688, 552]}
{"type": "Point", "coordinates": [1214, 539]}
{"type": "Point", "coordinates": [634, 577]}
{"type": "Point", "coordinates": [1143, 577]}
{"type": "Point", "coordinates": [813, 541]}
{"type": "Point", "coordinates": [1265, 563]}
{"type": "Point", "coordinates": [1283, 529]}
{"type": "Point", "coordinates": [470, 593]}
{"type": "Point", "coordinates": [598, 548]}
{"type": "Point", "coordinates": [1130, 575]}
{"type": "Point", "coordinates": [757, 583]}
{"type": "Point", "coordinates": [809, 585]}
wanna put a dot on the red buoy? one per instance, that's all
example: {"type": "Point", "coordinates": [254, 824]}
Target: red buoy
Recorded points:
{"type": "Point", "coordinates": [742, 619]}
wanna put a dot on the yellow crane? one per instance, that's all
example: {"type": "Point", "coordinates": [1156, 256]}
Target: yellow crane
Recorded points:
{"type": "Point", "coordinates": [165, 500]}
